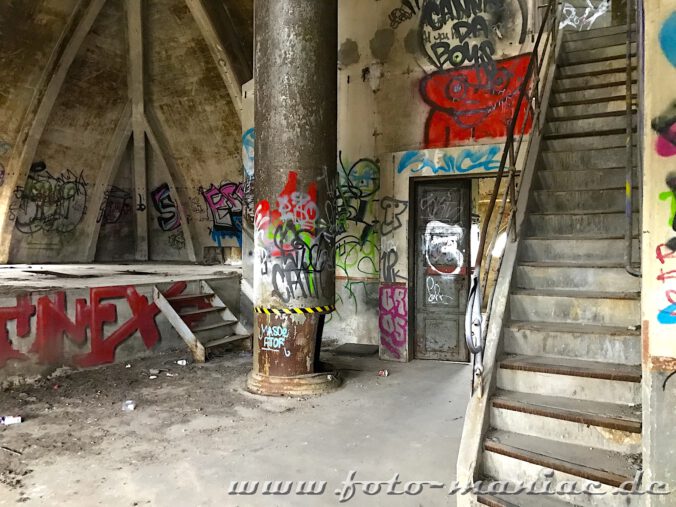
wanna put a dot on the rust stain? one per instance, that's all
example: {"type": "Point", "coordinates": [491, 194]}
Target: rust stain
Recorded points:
{"type": "Point", "coordinates": [645, 340]}
{"type": "Point", "coordinates": [662, 364]}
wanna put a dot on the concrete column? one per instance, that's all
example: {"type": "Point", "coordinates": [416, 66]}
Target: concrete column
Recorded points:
{"type": "Point", "coordinates": [294, 225]}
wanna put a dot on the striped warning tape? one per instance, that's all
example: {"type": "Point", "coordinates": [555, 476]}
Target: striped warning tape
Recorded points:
{"type": "Point", "coordinates": [294, 311]}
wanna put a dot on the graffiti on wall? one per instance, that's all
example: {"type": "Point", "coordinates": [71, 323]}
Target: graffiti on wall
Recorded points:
{"type": "Point", "coordinates": [169, 218]}
{"type": "Point", "coordinates": [273, 339]}
{"type": "Point", "coordinates": [393, 320]}
{"type": "Point", "coordinates": [48, 203]}
{"type": "Point", "coordinates": [116, 204]}
{"type": "Point", "coordinates": [392, 211]}
{"type": "Point", "coordinates": [586, 19]}
{"type": "Point", "coordinates": [248, 146]}
{"type": "Point", "coordinates": [471, 94]}
{"type": "Point", "coordinates": [225, 203]}
{"type": "Point", "coordinates": [97, 318]}
{"type": "Point", "coordinates": [407, 10]}
{"type": "Point", "coordinates": [357, 248]}
{"type": "Point", "coordinates": [294, 246]}
{"type": "Point", "coordinates": [481, 158]}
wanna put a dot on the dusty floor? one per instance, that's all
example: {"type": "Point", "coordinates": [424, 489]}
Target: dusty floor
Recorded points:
{"type": "Point", "coordinates": [195, 432]}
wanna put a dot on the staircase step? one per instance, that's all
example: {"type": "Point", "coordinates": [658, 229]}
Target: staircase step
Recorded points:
{"type": "Point", "coordinates": [606, 200]}
{"type": "Point", "coordinates": [589, 126]}
{"type": "Point", "coordinates": [609, 91]}
{"type": "Point", "coordinates": [226, 339]}
{"type": "Point", "coordinates": [596, 55]}
{"type": "Point", "coordinates": [191, 298]}
{"type": "Point", "coordinates": [569, 180]}
{"type": "Point", "coordinates": [589, 107]}
{"type": "Point", "coordinates": [593, 79]}
{"type": "Point", "coordinates": [577, 276]}
{"type": "Point", "coordinates": [210, 327]}
{"type": "Point", "coordinates": [585, 160]}
{"type": "Point", "coordinates": [588, 423]}
{"type": "Point", "coordinates": [574, 368]}
{"type": "Point", "coordinates": [614, 39]}
{"type": "Point", "coordinates": [607, 139]}
{"type": "Point", "coordinates": [568, 249]}
{"type": "Point", "coordinates": [576, 306]}
{"type": "Point", "coordinates": [519, 500]}
{"type": "Point", "coordinates": [596, 33]}
{"type": "Point", "coordinates": [577, 224]}
{"type": "Point", "coordinates": [606, 467]}
{"type": "Point", "coordinates": [619, 62]}
{"type": "Point", "coordinates": [619, 345]}
{"type": "Point", "coordinates": [203, 311]}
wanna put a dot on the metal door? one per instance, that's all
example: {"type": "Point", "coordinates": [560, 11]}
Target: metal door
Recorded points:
{"type": "Point", "coordinates": [441, 255]}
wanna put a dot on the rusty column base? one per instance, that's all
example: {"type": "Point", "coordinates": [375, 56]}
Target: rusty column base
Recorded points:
{"type": "Point", "coordinates": [284, 359]}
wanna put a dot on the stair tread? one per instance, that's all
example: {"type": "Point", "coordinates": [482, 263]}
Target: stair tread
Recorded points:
{"type": "Point", "coordinates": [209, 327]}
{"type": "Point", "coordinates": [575, 212]}
{"type": "Point", "coordinates": [577, 293]}
{"type": "Point", "coordinates": [614, 98]}
{"type": "Point", "coordinates": [571, 264]}
{"type": "Point", "coordinates": [519, 500]}
{"type": "Point", "coordinates": [606, 415]}
{"type": "Point", "coordinates": [610, 84]}
{"type": "Point", "coordinates": [577, 237]}
{"type": "Point", "coordinates": [586, 133]}
{"type": "Point", "coordinates": [226, 339]}
{"type": "Point", "coordinates": [566, 327]}
{"type": "Point", "coordinates": [594, 73]}
{"type": "Point", "coordinates": [607, 467]}
{"type": "Point", "coordinates": [596, 32]}
{"type": "Point", "coordinates": [184, 297]}
{"type": "Point", "coordinates": [573, 367]}
{"type": "Point", "coordinates": [576, 117]}
{"type": "Point", "coordinates": [202, 311]}
{"type": "Point", "coordinates": [595, 60]}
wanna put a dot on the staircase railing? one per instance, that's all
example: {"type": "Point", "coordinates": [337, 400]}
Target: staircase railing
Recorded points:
{"type": "Point", "coordinates": [629, 175]}
{"type": "Point", "coordinates": [530, 91]}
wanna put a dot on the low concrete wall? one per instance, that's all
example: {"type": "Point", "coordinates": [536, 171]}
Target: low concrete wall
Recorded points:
{"type": "Point", "coordinates": [89, 327]}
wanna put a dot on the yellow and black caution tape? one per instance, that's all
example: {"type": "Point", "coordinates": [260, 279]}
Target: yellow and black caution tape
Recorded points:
{"type": "Point", "coordinates": [295, 311]}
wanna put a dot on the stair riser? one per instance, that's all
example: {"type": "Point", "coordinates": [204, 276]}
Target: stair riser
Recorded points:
{"type": "Point", "coordinates": [593, 179]}
{"type": "Point", "coordinates": [587, 160]}
{"type": "Point", "coordinates": [616, 76]}
{"type": "Point", "coordinates": [583, 250]}
{"type": "Point", "coordinates": [596, 31]}
{"type": "Point", "coordinates": [590, 347]}
{"type": "Point", "coordinates": [600, 107]}
{"type": "Point", "coordinates": [601, 279]}
{"type": "Point", "coordinates": [583, 388]}
{"type": "Point", "coordinates": [511, 469]}
{"type": "Point", "coordinates": [575, 57]}
{"type": "Point", "coordinates": [617, 90]}
{"type": "Point", "coordinates": [587, 225]}
{"type": "Point", "coordinates": [565, 431]}
{"type": "Point", "coordinates": [583, 68]}
{"type": "Point", "coordinates": [588, 125]}
{"type": "Point", "coordinates": [605, 312]}
{"type": "Point", "coordinates": [586, 143]}
{"type": "Point", "coordinates": [582, 200]}
{"type": "Point", "coordinates": [597, 42]}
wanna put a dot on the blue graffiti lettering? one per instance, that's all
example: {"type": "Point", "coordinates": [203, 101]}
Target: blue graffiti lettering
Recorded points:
{"type": "Point", "coordinates": [483, 159]}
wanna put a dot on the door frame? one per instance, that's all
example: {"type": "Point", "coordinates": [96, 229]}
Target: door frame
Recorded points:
{"type": "Point", "coordinates": [414, 183]}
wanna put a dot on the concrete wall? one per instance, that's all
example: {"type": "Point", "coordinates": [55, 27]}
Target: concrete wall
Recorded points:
{"type": "Point", "coordinates": [659, 244]}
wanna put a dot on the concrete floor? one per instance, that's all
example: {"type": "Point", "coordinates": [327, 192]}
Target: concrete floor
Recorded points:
{"type": "Point", "coordinates": [43, 277]}
{"type": "Point", "coordinates": [195, 432]}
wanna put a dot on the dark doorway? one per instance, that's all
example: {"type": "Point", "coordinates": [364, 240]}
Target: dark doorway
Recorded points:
{"type": "Point", "coordinates": [441, 256]}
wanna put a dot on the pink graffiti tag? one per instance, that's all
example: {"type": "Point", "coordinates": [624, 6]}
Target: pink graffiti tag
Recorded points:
{"type": "Point", "coordinates": [393, 319]}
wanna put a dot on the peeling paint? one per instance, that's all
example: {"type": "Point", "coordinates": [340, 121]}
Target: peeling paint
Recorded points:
{"type": "Point", "coordinates": [348, 54]}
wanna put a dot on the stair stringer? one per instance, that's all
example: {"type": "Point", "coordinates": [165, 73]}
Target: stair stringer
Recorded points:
{"type": "Point", "coordinates": [477, 416]}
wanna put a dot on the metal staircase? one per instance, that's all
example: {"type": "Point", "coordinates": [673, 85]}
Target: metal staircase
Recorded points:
{"type": "Point", "coordinates": [557, 397]}
{"type": "Point", "coordinates": [201, 319]}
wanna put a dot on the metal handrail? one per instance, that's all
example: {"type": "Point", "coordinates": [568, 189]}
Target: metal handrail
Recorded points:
{"type": "Point", "coordinates": [629, 174]}
{"type": "Point", "coordinates": [475, 324]}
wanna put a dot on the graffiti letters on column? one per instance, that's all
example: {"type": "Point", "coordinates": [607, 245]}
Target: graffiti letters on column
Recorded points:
{"type": "Point", "coordinates": [471, 94]}
{"type": "Point", "coordinates": [225, 203]}
{"type": "Point", "coordinates": [357, 249]}
{"type": "Point", "coordinates": [49, 203]}
{"type": "Point", "coordinates": [248, 144]}
{"type": "Point", "coordinates": [293, 244]}
{"type": "Point", "coordinates": [665, 146]}
{"type": "Point", "coordinates": [53, 325]}
{"type": "Point", "coordinates": [169, 219]}
{"type": "Point", "coordinates": [116, 204]}
{"type": "Point", "coordinates": [393, 319]}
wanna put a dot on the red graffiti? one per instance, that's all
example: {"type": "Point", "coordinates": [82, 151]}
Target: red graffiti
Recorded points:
{"type": "Point", "coordinates": [663, 252]}
{"type": "Point", "coordinates": [53, 325]}
{"type": "Point", "coordinates": [474, 102]}
{"type": "Point", "coordinates": [393, 319]}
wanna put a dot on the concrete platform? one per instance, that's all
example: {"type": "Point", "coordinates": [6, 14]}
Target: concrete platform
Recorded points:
{"type": "Point", "coordinates": [50, 277]}
{"type": "Point", "coordinates": [194, 432]}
